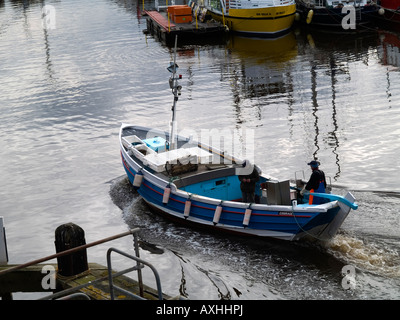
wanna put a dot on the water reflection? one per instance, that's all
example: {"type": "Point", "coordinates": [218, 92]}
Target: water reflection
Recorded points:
{"type": "Point", "coordinates": [333, 139]}
{"type": "Point", "coordinates": [330, 59]}
{"type": "Point", "coordinates": [266, 72]}
{"type": "Point", "coordinates": [257, 70]}
{"type": "Point", "coordinates": [262, 63]}
{"type": "Point", "coordinates": [310, 94]}
{"type": "Point", "coordinates": [135, 7]}
{"type": "Point", "coordinates": [389, 48]}
{"type": "Point", "coordinates": [25, 3]}
{"type": "Point", "coordinates": [389, 55]}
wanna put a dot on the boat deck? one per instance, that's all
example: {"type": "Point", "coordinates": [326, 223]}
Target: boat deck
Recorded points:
{"type": "Point", "coordinates": [161, 20]}
{"type": "Point", "coordinates": [167, 164]}
{"type": "Point", "coordinates": [160, 25]}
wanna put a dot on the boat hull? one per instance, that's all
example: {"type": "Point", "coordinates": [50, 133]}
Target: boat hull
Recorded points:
{"type": "Point", "coordinates": [286, 222]}
{"type": "Point", "coordinates": [328, 17]}
{"type": "Point", "coordinates": [389, 15]}
{"type": "Point", "coordinates": [389, 20]}
{"type": "Point", "coordinates": [260, 22]}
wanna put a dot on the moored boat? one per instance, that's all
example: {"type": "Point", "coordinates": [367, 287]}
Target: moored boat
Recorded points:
{"type": "Point", "coordinates": [195, 183]}
{"type": "Point", "coordinates": [338, 14]}
{"type": "Point", "coordinates": [389, 14]}
{"type": "Point", "coordinates": [167, 21]}
{"type": "Point", "coordinates": [260, 18]}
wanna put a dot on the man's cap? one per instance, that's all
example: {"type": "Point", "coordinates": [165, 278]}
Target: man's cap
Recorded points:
{"type": "Point", "coordinates": [314, 164]}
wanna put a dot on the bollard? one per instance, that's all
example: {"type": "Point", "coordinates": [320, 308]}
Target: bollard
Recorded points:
{"type": "Point", "coordinates": [4, 255]}
{"type": "Point", "coordinates": [3, 244]}
{"type": "Point", "coordinates": [69, 236]}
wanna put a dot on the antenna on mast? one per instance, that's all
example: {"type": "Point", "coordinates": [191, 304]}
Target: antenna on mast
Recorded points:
{"type": "Point", "coordinates": [176, 91]}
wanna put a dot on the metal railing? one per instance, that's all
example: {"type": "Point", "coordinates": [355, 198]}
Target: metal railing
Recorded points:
{"type": "Point", "coordinates": [138, 267]}
{"type": "Point", "coordinates": [72, 293]}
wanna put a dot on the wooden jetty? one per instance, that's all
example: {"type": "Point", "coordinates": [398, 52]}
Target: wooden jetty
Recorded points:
{"type": "Point", "coordinates": [168, 21]}
{"type": "Point", "coordinates": [90, 285]}
{"type": "Point", "coordinates": [74, 278]}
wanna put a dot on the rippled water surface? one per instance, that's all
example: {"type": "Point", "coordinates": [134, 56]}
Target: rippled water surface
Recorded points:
{"type": "Point", "coordinates": [65, 90]}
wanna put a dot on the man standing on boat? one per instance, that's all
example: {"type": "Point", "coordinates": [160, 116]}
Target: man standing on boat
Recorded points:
{"type": "Point", "coordinates": [248, 183]}
{"type": "Point", "coordinates": [316, 183]}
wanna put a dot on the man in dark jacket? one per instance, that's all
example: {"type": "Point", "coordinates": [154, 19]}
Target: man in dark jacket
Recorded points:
{"type": "Point", "coordinates": [316, 183]}
{"type": "Point", "coordinates": [248, 185]}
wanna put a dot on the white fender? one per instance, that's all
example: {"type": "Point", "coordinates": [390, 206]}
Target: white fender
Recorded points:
{"type": "Point", "coordinates": [217, 214]}
{"type": "Point", "coordinates": [247, 216]}
{"type": "Point", "coordinates": [167, 192]}
{"type": "Point", "coordinates": [186, 212]}
{"type": "Point", "coordinates": [137, 181]}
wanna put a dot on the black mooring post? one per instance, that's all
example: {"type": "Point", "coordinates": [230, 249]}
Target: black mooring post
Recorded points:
{"type": "Point", "coordinates": [69, 236]}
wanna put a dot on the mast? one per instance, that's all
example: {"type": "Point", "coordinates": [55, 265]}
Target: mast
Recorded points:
{"type": "Point", "coordinates": [176, 91]}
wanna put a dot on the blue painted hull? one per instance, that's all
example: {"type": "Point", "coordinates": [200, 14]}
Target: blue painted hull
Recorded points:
{"type": "Point", "coordinates": [286, 222]}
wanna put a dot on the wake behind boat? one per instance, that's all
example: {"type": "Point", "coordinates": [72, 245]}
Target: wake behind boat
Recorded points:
{"type": "Point", "coordinates": [193, 182]}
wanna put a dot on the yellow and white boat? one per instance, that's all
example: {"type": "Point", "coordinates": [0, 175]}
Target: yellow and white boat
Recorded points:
{"type": "Point", "coordinates": [262, 18]}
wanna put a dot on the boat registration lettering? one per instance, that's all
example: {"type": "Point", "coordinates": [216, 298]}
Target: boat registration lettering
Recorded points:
{"type": "Point", "coordinates": [277, 13]}
{"type": "Point", "coordinates": [285, 213]}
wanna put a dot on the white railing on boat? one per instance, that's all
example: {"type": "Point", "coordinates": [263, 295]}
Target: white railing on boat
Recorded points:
{"type": "Point", "coordinates": [163, 4]}
{"type": "Point", "coordinates": [335, 3]}
{"type": "Point", "coordinates": [245, 4]}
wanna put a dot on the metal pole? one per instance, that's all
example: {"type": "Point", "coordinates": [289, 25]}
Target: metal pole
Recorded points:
{"type": "Point", "coordinates": [174, 85]}
{"type": "Point", "coordinates": [66, 252]}
{"type": "Point", "coordinates": [139, 270]}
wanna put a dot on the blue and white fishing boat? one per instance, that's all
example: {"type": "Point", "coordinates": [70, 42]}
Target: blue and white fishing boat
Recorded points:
{"type": "Point", "coordinates": [195, 183]}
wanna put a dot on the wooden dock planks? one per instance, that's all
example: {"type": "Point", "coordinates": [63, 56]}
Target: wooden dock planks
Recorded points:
{"type": "Point", "coordinates": [160, 20]}
{"type": "Point", "coordinates": [187, 29]}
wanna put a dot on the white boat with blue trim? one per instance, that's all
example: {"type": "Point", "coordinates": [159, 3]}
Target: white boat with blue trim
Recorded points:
{"type": "Point", "coordinates": [194, 183]}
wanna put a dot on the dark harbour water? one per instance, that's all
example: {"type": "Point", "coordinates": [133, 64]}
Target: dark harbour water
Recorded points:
{"type": "Point", "coordinates": [66, 88]}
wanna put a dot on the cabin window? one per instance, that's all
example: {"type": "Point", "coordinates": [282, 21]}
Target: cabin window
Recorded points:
{"type": "Point", "coordinates": [219, 182]}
